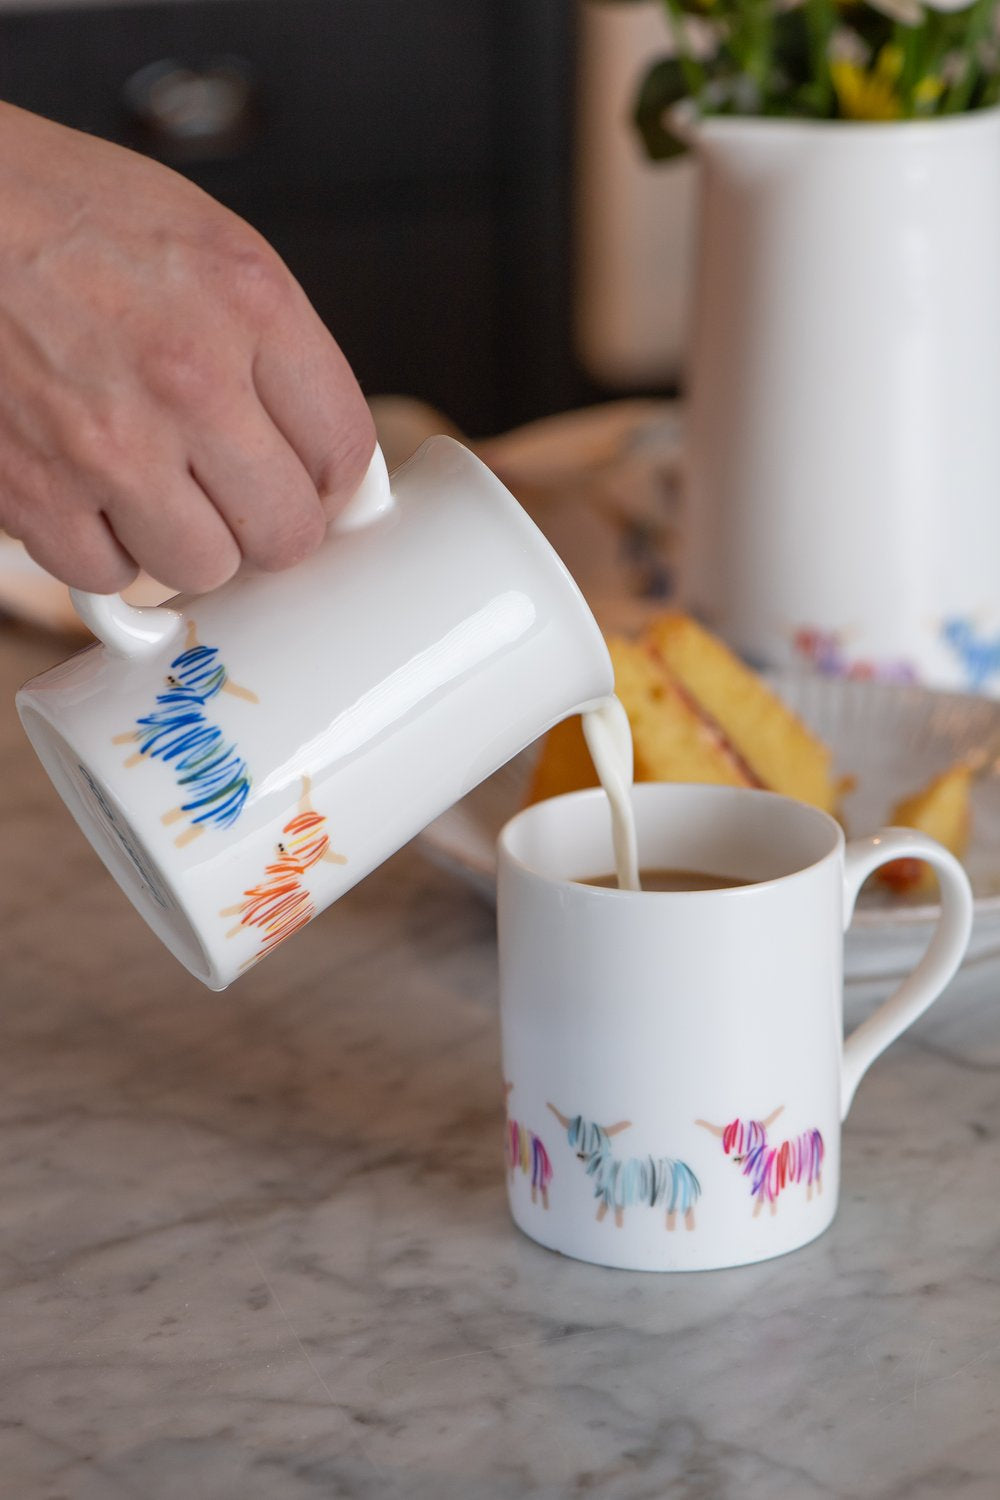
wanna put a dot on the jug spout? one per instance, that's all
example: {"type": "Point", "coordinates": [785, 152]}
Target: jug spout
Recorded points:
{"type": "Point", "coordinates": [592, 705]}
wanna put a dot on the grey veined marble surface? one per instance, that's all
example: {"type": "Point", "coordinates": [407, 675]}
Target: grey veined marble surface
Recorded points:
{"type": "Point", "coordinates": [255, 1245]}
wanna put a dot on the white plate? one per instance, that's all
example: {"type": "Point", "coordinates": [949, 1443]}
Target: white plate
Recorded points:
{"type": "Point", "coordinates": [891, 738]}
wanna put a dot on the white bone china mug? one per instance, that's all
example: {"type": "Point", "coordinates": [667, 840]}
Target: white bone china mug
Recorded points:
{"type": "Point", "coordinates": [674, 1063]}
{"type": "Point", "coordinates": [242, 758]}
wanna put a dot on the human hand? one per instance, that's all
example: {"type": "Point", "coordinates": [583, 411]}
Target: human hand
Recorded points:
{"type": "Point", "coordinates": [168, 397]}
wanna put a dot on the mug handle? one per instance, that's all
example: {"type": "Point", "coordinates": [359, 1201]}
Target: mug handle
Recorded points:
{"type": "Point", "coordinates": [947, 947]}
{"type": "Point", "coordinates": [135, 631]}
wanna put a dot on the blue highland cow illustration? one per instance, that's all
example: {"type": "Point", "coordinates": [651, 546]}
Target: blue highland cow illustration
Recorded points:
{"type": "Point", "coordinates": [212, 776]}
{"type": "Point", "coordinates": [623, 1182]}
{"type": "Point", "coordinates": [979, 654]}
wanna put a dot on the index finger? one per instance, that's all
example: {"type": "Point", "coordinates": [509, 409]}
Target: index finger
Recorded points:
{"type": "Point", "coordinates": [310, 393]}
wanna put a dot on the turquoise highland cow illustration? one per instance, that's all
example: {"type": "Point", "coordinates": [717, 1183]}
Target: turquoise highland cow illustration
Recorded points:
{"type": "Point", "coordinates": [626, 1182]}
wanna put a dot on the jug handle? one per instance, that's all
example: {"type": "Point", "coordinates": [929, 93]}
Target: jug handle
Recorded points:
{"type": "Point", "coordinates": [136, 630]}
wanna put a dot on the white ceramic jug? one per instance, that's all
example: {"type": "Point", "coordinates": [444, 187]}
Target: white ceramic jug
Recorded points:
{"type": "Point", "coordinates": [843, 444]}
{"type": "Point", "coordinates": [242, 758]}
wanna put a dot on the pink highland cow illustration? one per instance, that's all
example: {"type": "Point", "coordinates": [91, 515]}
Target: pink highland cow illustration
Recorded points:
{"type": "Point", "coordinates": [524, 1149]}
{"type": "Point", "coordinates": [281, 904]}
{"type": "Point", "coordinates": [771, 1168]}
{"type": "Point", "coordinates": [827, 651]}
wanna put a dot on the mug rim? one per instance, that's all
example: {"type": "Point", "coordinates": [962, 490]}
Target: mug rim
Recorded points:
{"type": "Point", "coordinates": [589, 795]}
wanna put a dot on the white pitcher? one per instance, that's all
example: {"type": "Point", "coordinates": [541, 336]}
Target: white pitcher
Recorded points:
{"type": "Point", "coordinates": [241, 758]}
{"type": "Point", "coordinates": [844, 427]}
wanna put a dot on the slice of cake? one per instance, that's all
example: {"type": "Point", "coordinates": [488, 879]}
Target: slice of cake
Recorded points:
{"type": "Point", "coordinates": [783, 754]}
{"type": "Point", "coordinates": [697, 714]}
{"type": "Point", "coordinates": [940, 809]}
{"type": "Point", "coordinates": [671, 739]}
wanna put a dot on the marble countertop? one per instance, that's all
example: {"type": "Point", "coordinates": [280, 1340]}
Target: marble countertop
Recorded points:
{"type": "Point", "coordinates": [255, 1245]}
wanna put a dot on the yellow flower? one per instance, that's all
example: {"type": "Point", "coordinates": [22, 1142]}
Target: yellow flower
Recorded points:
{"type": "Point", "coordinates": [928, 90]}
{"type": "Point", "coordinates": [866, 96]}
{"type": "Point", "coordinates": [889, 63]}
{"type": "Point", "coordinates": [871, 95]}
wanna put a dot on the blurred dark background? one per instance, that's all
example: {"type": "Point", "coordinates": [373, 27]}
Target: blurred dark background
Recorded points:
{"type": "Point", "coordinates": [409, 159]}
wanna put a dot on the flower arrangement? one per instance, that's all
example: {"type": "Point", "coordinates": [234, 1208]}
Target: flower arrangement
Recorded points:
{"type": "Point", "coordinates": [822, 60]}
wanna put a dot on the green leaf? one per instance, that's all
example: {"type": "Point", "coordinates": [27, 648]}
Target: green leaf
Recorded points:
{"type": "Point", "coordinates": [664, 86]}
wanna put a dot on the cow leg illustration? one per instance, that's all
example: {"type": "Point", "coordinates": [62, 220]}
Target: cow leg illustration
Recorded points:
{"type": "Point", "coordinates": [688, 1218]}
{"type": "Point", "coordinates": [236, 691]}
{"type": "Point", "coordinates": [331, 857]}
{"type": "Point", "coordinates": [601, 1212]}
{"type": "Point", "coordinates": [619, 1218]}
{"type": "Point", "coordinates": [175, 813]}
{"type": "Point", "coordinates": [233, 688]}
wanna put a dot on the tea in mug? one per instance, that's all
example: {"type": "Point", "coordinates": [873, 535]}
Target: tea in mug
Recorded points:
{"type": "Point", "coordinates": [671, 880]}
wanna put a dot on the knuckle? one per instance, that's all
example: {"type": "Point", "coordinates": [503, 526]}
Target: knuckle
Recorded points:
{"type": "Point", "coordinates": [181, 372]}
{"type": "Point", "coordinates": [258, 281]}
{"type": "Point", "coordinates": [95, 441]}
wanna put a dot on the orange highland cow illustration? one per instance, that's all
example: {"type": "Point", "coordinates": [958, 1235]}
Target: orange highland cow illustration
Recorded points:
{"type": "Point", "coordinates": [281, 904]}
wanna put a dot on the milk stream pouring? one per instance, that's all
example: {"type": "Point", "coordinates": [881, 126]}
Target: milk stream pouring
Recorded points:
{"type": "Point", "coordinates": [609, 740]}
